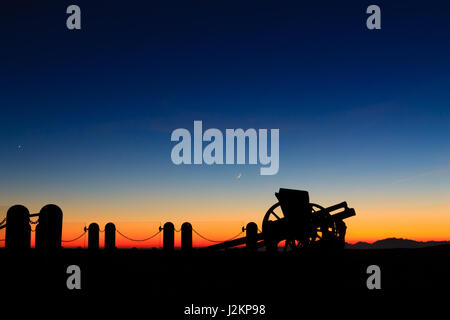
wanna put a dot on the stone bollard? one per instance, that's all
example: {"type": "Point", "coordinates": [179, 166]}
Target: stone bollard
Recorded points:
{"type": "Point", "coordinates": [110, 236]}
{"type": "Point", "coordinates": [18, 230]}
{"type": "Point", "coordinates": [251, 236]}
{"type": "Point", "coordinates": [168, 236]}
{"type": "Point", "coordinates": [186, 237]}
{"type": "Point", "coordinates": [48, 235]}
{"type": "Point", "coordinates": [93, 236]}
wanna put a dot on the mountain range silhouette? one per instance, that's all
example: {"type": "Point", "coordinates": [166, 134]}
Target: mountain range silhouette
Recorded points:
{"type": "Point", "coordinates": [396, 243]}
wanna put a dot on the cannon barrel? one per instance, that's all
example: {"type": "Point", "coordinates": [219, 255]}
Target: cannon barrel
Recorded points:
{"type": "Point", "coordinates": [325, 215]}
{"type": "Point", "coordinates": [337, 206]}
{"type": "Point", "coordinates": [347, 213]}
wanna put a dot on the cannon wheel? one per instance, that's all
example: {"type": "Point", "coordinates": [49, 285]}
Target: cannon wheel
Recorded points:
{"type": "Point", "coordinates": [275, 213]}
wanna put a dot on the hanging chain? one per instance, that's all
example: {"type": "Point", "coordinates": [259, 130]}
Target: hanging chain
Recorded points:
{"type": "Point", "coordinates": [131, 239]}
{"type": "Point", "coordinates": [84, 232]}
{"type": "Point", "coordinates": [217, 241]}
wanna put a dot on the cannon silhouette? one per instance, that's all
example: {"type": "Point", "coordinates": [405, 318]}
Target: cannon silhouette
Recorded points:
{"type": "Point", "coordinates": [299, 223]}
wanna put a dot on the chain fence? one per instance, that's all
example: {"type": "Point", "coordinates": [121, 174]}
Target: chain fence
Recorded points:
{"type": "Point", "coordinates": [85, 230]}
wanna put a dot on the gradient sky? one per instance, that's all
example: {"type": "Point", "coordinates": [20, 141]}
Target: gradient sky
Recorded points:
{"type": "Point", "coordinates": [86, 116]}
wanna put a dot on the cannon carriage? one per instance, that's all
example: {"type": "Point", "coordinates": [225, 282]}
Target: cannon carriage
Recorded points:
{"type": "Point", "coordinates": [304, 224]}
{"type": "Point", "coordinates": [299, 223]}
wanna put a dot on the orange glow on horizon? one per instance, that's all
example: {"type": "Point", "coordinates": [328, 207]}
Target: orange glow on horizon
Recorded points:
{"type": "Point", "coordinates": [373, 222]}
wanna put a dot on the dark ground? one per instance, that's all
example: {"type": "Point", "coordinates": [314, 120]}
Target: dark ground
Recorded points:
{"type": "Point", "coordinates": [156, 282]}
